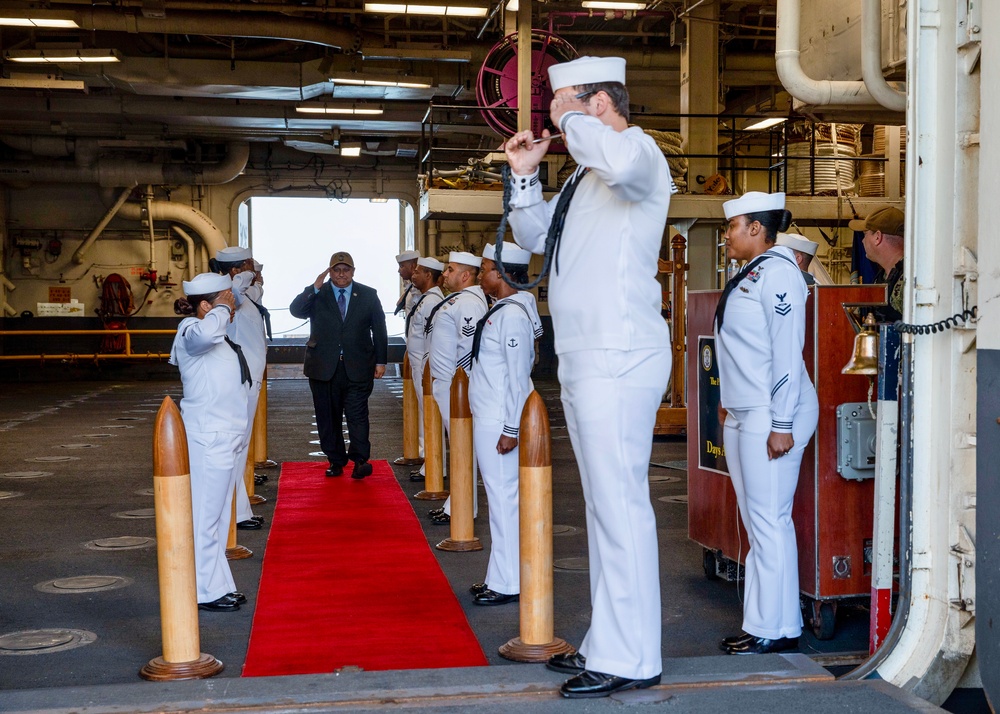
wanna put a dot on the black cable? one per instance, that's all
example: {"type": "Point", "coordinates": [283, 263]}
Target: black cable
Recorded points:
{"type": "Point", "coordinates": [551, 239]}
{"type": "Point", "coordinates": [940, 326]}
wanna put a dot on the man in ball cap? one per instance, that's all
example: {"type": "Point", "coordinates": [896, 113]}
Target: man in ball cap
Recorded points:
{"type": "Point", "coordinates": [425, 278]}
{"type": "Point", "coordinates": [345, 354]}
{"type": "Point", "coordinates": [804, 251]}
{"type": "Point", "coordinates": [883, 242]}
{"type": "Point", "coordinates": [407, 261]}
{"type": "Point", "coordinates": [614, 352]}
{"type": "Point", "coordinates": [450, 327]}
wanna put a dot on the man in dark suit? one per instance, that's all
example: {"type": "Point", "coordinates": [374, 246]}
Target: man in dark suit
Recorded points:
{"type": "Point", "coordinates": [346, 353]}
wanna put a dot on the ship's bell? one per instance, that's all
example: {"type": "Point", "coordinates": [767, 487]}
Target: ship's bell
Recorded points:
{"type": "Point", "coordinates": [865, 357]}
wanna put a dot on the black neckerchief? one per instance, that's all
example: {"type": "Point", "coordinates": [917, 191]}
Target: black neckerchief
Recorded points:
{"type": "Point", "coordinates": [731, 285]}
{"type": "Point", "coordinates": [430, 318]}
{"type": "Point", "coordinates": [244, 367]}
{"type": "Point", "coordinates": [267, 318]}
{"type": "Point", "coordinates": [481, 325]}
{"type": "Point", "coordinates": [401, 303]}
{"type": "Point", "coordinates": [411, 313]}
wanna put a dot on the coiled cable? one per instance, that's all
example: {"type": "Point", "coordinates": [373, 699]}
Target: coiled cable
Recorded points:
{"type": "Point", "coordinates": [940, 326]}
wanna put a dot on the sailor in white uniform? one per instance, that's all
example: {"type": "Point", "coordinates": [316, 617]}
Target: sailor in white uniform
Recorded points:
{"type": "Point", "coordinates": [503, 353]}
{"type": "Point", "coordinates": [614, 352]}
{"type": "Point", "coordinates": [248, 331]}
{"type": "Point", "coordinates": [772, 413]}
{"type": "Point", "coordinates": [407, 261]}
{"type": "Point", "coordinates": [804, 251]}
{"type": "Point", "coordinates": [452, 327]}
{"type": "Point", "coordinates": [425, 278]}
{"type": "Point", "coordinates": [215, 377]}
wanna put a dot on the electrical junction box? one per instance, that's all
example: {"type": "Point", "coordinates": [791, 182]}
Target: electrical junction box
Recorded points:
{"type": "Point", "coordinates": [856, 441]}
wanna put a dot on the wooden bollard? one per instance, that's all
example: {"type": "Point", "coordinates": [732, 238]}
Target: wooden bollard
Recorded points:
{"type": "Point", "coordinates": [462, 537]}
{"type": "Point", "coordinates": [259, 441]}
{"type": "Point", "coordinates": [537, 641]}
{"type": "Point", "coordinates": [433, 445]}
{"type": "Point", "coordinates": [248, 480]}
{"type": "Point", "coordinates": [182, 657]}
{"type": "Point", "coordinates": [411, 420]}
{"type": "Point", "coordinates": [235, 551]}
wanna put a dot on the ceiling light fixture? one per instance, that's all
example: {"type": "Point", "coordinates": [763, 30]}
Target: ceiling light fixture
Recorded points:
{"type": "Point", "coordinates": [364, 80]}
{"type": "Point", "coordinates": [37, 18]}
{"type": "Point", "coordinates": [378, 199]}
{"type": "Point", "coordinates": [766, 123]}
{"type": "Point", "coordinates": [335, 109]}
{"type": "Point", "coordinates": [63, 56]}
{"type": "Point", "coordinates": [612, 5]}
{"type": "Point", "coordinates": [393, 8]}
{"type": "Point", "coordinates": [47, 82]}
{"type": "Point", "coordinates": [350, 149]}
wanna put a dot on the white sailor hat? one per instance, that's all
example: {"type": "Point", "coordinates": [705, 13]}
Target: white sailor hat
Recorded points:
{"type": "Point", "coordinates": [407, 255]}
{"type": "Point", "coordinates": [754, 202]}
{"type": "Point", "coordinates": [258, 266]}
{"type": "Point", "coordinates": [235, 254]}
{"type": "Point", "coordinates": [432, 263]}
{"type": "Point", "coordinates": [587, 70]}
{"type": "Point", "coordinates": [512, 253]}
{"type": "Point", "coordinates": [796, 242]}
{"type": "Point", "coordinates": [206, 284]}
{"type": "Point", "coordinates": [464, 258]}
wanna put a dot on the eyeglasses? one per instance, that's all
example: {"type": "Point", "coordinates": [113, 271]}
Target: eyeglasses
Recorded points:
{"type": "Point", "coordinates": [582, 96]}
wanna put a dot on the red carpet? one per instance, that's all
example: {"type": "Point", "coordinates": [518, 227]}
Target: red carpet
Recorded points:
{"type": "Point", "coordinates": [349, 580]}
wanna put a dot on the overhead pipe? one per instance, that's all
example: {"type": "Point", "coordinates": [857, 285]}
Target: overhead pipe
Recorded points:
{"type": "Point", "coordinates": [101, 225]}
{"type": "Point", "coordinates": [871, 58]}
{"type": "Point", "coordinates": [211, 236]}
{"type": "Point", "coordinates": [189, 241]}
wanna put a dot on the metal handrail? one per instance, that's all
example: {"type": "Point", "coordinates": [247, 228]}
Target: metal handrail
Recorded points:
{"type": "Point", "coordinates": [90, 356]}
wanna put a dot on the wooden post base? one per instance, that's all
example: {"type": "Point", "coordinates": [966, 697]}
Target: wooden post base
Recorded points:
{"type": "Point", "coordinates": [159, 670]}
{"type": "Point", "coordinates": [256, 500]}
{"type": "Point", "coordinates": [518, 651]}
{"type": "Point", "coordinates": [265, 464]}
{"type": "Point", "coordinates": [238, 552]}
{"type": "Point", "coordinates": [460, 546]}
{"type": "Point", "coordinates": [431, 495]}
{"type": "Point", "coordinates": [403, 461]}
{"type": "Point", "coordinates": [670, 420]}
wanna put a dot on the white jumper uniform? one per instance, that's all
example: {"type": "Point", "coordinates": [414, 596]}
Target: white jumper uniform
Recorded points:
{"type": "Point", "coordinates": [248, 331]}
{"type": "Point", "coordinates": [416, 349]}
{"type": "Point", "coordinates": [614, 363]}
{"type": "Point", "coordinates": [765, 387]}
{"type": "Point", "coordinates": [499, 384]}
{"type": "Point", "coordinates": [215, 419]}
{"type": "Point", "coordinates": [450, 347]}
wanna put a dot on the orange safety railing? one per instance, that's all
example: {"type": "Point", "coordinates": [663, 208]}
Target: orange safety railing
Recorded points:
{"type": "Point", "coordinates": [96, 356]}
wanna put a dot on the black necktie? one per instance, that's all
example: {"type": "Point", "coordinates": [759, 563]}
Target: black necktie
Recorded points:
{"type": "Point", "coordinates": [244, 367]}
{"type": "Point", "coordinates": [401, 303]}
{"type": "Point", "coordinates": [267, 318]}
{"type": "Point", "coordinates": [411, 313]}
{"type": "Point", "coordinates": [720, 310]}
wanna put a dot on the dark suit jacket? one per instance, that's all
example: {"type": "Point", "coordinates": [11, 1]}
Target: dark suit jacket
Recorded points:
{"type": "Point", "coordinates": [361, 336]}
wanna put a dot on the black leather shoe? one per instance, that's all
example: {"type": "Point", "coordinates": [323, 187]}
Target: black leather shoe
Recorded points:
{"type": "Point", "coordinates": [478, 588]}
{"type": "Point", "coordinates": [491, 597]}
{"type": "Point", "coordinates": [588, 685]}
{"type": "Point", "coordinates": [238, 597]}
{"type": "Point", "coordinates": [441, 519]}
{"type": "Point", "coordinates": [249, 525]}
{"type": "Point", "coordinates": [416, 476]}
{"type": "Point", "coordinates": [258, 479]}
{"type": "Point", "coordinates": [435, 512]}
{"type": "Point", "coordinates": [335, 470]}
{"type": "Point", "coordinates": [361, 469]}
{"type": "Point", "coordinates": [763, 645]}
{"type": "Point", "coordinates": [259, 519]}
{"type": "Point", "coordinates": [735, 641]}
{"type": "Point", "coordinates": [574, 663]}
{"type": "Point", "coordinates": [224, 604]}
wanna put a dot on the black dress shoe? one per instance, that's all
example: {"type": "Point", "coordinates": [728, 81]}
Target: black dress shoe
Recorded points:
{"type": "Point", "coordinates": [763, 645]}
{"type": "Point", "coordinates": [238, 597]}
{"type": "Point", "coordinates": [335, 470]}
{"type": "Point", "coordinates": [574, 663]}
{"type": "Point", "coordinates": [735, 641]}
{"type": "Point", "coordinates": [416, 476]}
{"type": "Point", "coordinates": [441, 519]}
{"type": "Point", "coordinates": [258, 479]}
{"type": "Point", "coordinates": [435, 512]}
{"type": "Point", "coordinates": [491, 597]}
{"type": "Point", "coordinates": [249, 525]}
{"type": "Point", "coordinates": [224, 604]}
{"type": "Point", "coordinates": [259, 519]}
{"type": "Point", "coordinates": [478, 588]}
{"type": "Point", "coordinates": [361, 469]}
{"type": "Point", "coordinates": [587, 685]}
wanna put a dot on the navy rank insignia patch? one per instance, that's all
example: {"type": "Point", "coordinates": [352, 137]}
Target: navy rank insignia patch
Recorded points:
{"type": "Point", "coordinates": [782, 308]}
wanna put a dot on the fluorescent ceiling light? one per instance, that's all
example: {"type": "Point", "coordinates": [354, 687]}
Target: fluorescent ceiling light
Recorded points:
{"type": "Point", "coordinates": [350, 149]}
{"type": "Point", "coordinates": [46, 22]}
{"type": "Point", "coordinates": [386, 8]}
{"type": "Point", "coordinates": [765, 124]}
{"type": "Point", "coordinates": [378, 199]}
{"type": "Point", "coordinates": [612, 5]}
{"type": "Point", "coordinates": [362, 80]}
{"type": "Point", "coordinates": [328, 109]}
{"type": "Point", "coordinates": [63, 56]}
{"type": "Point", "coordinates": [43, 83]}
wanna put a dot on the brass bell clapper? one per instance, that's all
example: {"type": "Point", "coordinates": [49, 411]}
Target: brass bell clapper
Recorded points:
{"type": "Point", "coordinates": [864, 360]}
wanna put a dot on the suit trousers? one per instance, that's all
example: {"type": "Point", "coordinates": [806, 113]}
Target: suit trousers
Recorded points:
{"type": "Point", "coordinates": [243, 511]}
{"type": "Point", "coordinates": [211, 459]}
{"type": "Point", "coordinates": [610, 398]}
{"type": "Point", "coordinates": [441, 389]}
{"type": "Point", "coordinates": [765, 490]}
{"type": "Point", "coordinates": [333, 400]}
{"type": "Point", "coordinates": [500, 476]}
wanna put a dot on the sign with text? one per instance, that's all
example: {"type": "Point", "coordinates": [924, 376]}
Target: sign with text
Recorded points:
{"type": "Point", "coordinates": [711, 453]}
